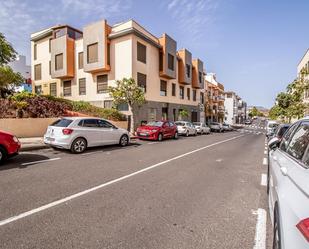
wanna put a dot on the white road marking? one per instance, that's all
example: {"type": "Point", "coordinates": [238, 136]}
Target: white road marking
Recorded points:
{"type": "Point", "coordinates": [265, 152]}
{"type": "Point", "coordinates": [260, 230]}
{"type": "Point", "coordinates": [263, 179]}
{"type": "Point", "coordinates": [152, 143]}
{"type": "Point", "coordinates": [87, 191]}
{"type": "Point", "coordinates": [41, 161]}
{"type": "Point", "coordinates": [264, 161]}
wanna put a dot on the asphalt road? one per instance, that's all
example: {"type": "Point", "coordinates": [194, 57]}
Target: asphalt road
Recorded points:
{"type": "Point", "coordinates": [196, 192]}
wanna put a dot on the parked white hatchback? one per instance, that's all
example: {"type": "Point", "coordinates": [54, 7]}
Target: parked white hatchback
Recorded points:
{"type": "Point", "coordinates": [79, 133]}
{"type": "Point", "coordinates": [185, 128]}
{"type": "Point", "coordinates": [201, 128]}
{"type": "Point", "coordinates": [288, 187]}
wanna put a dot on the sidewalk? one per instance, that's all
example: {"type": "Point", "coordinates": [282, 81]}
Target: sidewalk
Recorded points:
{"type": "Point", "coordinates": [32, 143]}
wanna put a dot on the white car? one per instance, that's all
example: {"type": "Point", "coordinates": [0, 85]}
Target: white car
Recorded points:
{"type": "Point", "coordinates": [288, 187]}
{"type": "Point", "coordinates": [186, 128]}
{"type": "Point", "coordinates": [77, 134]}
{"type": "Point", "coordinates": [201, 128]}
{"type": "Point", "coordinates": [217, 127]}
{"type": "Point", "coordinates": [271, 125]}
{"type": "Point", "coordinates": [226, 127]}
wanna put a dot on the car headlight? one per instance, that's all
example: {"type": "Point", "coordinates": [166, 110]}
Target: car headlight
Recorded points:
{"type": "Point", "coordinates": [15, 139]}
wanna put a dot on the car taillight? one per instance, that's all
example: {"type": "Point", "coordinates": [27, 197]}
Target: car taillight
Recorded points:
{"type": "Point", "coordinates": [303, 227]}
{"type": "Point", "coordinates": [67, 131]}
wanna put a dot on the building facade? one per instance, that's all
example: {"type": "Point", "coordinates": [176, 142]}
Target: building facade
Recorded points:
{"type": "Point", "coordinates": [303, 72]}
{"type": "Point", "coordinates": [81, 65]}
{"type": "Point", "coordinates": [231, 108]}
{"type": "Point", "coordinates": [214, 108]}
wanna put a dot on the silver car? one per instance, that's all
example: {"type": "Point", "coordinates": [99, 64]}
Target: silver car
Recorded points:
{"type": "Point", "coordinates": [77, 134]}
{"type": "Point", "coordinates": [217, 127]}
{"type": "Point", "coordinates": [288, 187]}
{"type": "Point", "coordinates": [201, 128]}
{"type": "Point", "coordinates": [186, 128]}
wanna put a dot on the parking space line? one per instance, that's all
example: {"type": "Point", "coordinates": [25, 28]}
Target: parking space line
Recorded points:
{"type": "Point", "coordinates": [152, 143]}
{"type": "Point", "coordinates": [263, 179]}
{"type": "Point", "coordinates": [40, 161]}
{"type": "Point", "coordinates": [260, 230]}
{"type": "Point", "coordinates": [264, 161]}
{"type": "Point", "coordinates": [87, 191]}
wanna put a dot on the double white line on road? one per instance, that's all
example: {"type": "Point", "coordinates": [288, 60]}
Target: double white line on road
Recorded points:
{"type": "Point", "coordinates": [87, 191]}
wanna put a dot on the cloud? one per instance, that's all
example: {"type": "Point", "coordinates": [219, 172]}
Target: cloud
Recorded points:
{"type": "Point", "coordinates": [20, 18]}
{"type": "Point", "coordinates": [193, 17]}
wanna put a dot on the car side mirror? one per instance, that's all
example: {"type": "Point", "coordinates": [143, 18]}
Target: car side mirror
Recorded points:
{"type": "Point", "coordinates": [273, 143]}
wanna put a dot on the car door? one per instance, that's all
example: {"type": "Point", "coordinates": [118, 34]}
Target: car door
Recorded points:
{"type": "Point", "coordinates": [166, 129]}
{"type": "Point", "coordinates": [89, 129]}
{"type": "Point", "coordinates": [108, 132]}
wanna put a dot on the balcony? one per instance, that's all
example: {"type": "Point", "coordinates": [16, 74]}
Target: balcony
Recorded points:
{"type": "Point", "coordinates": [197, 74]}
{"type": "Point", "coordinates": [185, 67]}
{"type": "Point", "coordinates": [62, 57]}
{"type": "Point", "coordinates": [96, 47]}
{"type": "Point", "coordinates": [168, 57]}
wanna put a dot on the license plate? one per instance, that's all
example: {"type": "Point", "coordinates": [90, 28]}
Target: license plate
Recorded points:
{"type": "Point", "coordinates": [50, 139]}
{"type": "Point", "coordinates": [143, 134]}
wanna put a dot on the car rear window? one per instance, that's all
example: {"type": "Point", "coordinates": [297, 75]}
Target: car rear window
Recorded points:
{"type": "Point", "coordinates": [180, 123]}
{"type": "Point", "coordinates": [155, 123]}
{"type": "Point", "coordinates": [62, 123]}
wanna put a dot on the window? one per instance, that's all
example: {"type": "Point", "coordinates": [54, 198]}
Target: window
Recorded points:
{"type": "Point", "coordinates": [160, 61]}
{"type": "Point", "coordinates": [49, 67]}
{"type": "Point", "coordinates": [89, 123]}
{"type": "Point", "coordinates": [173, 89]}
{"type": "Point", "coordinates": [92, 53]}
{"type": "Point", "coordinates": [141, 52]}
{"type": "Point", "coordinates": [108, 104]}
{"type": "Point", "coordinates": [200, 77]}
{"type": "Point", "coordinates": [194, 95]}
{"type": "Point", "coordinates": [202, 98]}
{"type": "Point", "coordinates": [285, 140]}
{"type": "Point", "coordinates": [38, 89]}
{"type": "Point", "coordinates": [80, 60]}
{"type": "Point", "coordinates": [123, 107]}
{"type": "Point", "coordinates": [181, 92]}
{"type": "Point", "coordinates": [59, 62]}
{"type": "Point", "coordinates": [62, 122]}
{"type": "Point", "coordinates": [67, 88]}
{"type": "Point", "coordinates": [82, 86]}
{"type": "Point", "coordinates": [299, 142]}
{"type": "Point", "coordinates": [188, 93]}
{"type": "Point", "coordinates": [53, 89]}
{"type": "Point", "coordinates": [35, 51]}
{"type": "Point", "coordinates": [163, 87]}
{"type": "Point", "coordinates": [188, 70]}
{"type": "Point", "coordinates": [49, 44]}
{"type": "Point", "coordinates": [37, 72]}
{"type": "Point", "coordinates": [108, 53]}
{"type": "Point", "coordinates": [141, 81]}
{"type": "Point", "coordinates": [104, 124]}
{"type": "Point", "coordinates": [170, 63]}
{"type": "Point", "coordinates": [102, 83]}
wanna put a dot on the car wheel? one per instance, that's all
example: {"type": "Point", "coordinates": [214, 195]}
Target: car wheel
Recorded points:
{"type": "Point", "coordinates": [124, 140]}
{"type": "Point", "coordinates": [176, 135]}
{"type": "Point", "coordinates": [202, 132]}
{"type": "Point", "coordinates": [160, 137]}
{"type": "Point", "coordinates": [195, 133]}
{"type": "Point", "coordinates": [187, 134]}
{"type": "Point", "coordinates": [276, 232]}
{"type": "Point", "coordinates": [3, 155]}
{"type": "Point", "coordinates": [79, 145]}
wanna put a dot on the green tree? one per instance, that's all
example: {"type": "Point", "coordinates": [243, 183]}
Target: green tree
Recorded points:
{"type": "Point", "coordinates": [184, 113]}
{"type": "Point", "coordinates": [8, 78]}
{"type": "Point", "coordinates": [254, 112]}
{"type": "Point", "coordinates": [128, 92]}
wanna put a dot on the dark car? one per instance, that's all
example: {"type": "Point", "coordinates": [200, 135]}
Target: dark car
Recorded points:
{"type": "Point", "coordinates": [279, 131]}
{"type": "Point", "coordinates": [157, 130]}
{"type": "Point", "coordinates": [9, 145]}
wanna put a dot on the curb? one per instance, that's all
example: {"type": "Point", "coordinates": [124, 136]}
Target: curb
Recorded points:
{"type": "Point", "coordinates": [33, 147]}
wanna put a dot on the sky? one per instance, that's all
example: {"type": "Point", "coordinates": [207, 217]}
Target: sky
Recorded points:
{"type": "Point", "coordinates": [253, 46]}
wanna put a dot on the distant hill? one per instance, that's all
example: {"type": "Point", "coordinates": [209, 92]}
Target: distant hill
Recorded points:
{"type": "Point", "coordinates": [260, 108]}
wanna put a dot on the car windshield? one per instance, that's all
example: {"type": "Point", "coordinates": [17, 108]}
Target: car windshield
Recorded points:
{"type": "Point", "coordinates": [180, 123]}
{"type": "Point", "coordinates": [62, 123]}
{"type": "Point", "coordinates": [155, 123]}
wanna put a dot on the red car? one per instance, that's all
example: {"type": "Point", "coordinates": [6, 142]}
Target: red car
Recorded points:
{"type": "Point", "coordinates": [157, 130]}
{"type": "Point", "coordinates": [9, 145]}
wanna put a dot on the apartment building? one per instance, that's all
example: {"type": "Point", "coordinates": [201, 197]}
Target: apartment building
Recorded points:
{"type": "Point", "coordinates": [235, 108]}
{"type": "Point", "coordinates": [303, 72]}
{"type": "Point", "coordinates": [81, 65]}
{"type": "Point", "coordinates": [214, 99]}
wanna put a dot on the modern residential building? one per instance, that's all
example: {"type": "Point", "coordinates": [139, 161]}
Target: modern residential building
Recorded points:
{"type": "Point", "coordinates": [214, 109]}
{"type": "Point", "coordinates": [81, 65]}
{"type": "Point", "coordinates": [242, 111]}
{"type": "Point", "coordinates": [20, 66]}
{"type": "Point", "coordinates": [303, 71]}
{"type": "Point", "coordinates": [235, 109]}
